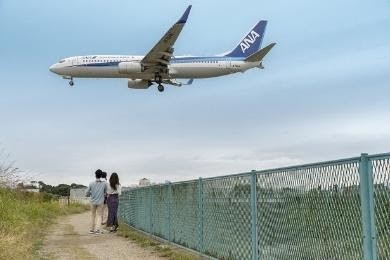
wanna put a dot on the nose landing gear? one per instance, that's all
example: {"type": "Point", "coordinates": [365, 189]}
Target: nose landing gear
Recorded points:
{"type": "Point", "coordinates": [71, 83]}
{"type": "Point", "coordinates": [160, 88]}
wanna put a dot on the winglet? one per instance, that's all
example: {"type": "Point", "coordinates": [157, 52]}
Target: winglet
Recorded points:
{"type": "Point", "coordinates": [183, 18]}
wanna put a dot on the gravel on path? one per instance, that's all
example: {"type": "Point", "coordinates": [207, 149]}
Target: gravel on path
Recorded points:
{"type": "Point", "coordinates": [69, 238]}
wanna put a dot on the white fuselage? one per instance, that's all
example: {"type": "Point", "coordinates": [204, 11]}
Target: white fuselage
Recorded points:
{"type": "Point", "coordinates": [107, 66]}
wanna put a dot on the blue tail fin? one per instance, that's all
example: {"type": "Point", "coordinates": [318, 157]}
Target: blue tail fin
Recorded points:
{"type": "Point", "coordinates": [251, 43]}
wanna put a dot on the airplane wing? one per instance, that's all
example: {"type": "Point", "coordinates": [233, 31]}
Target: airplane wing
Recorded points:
{"type": "Point", "coordinates": [160, 55]}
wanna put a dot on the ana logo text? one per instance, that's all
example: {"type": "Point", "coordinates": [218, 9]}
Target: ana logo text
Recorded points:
{"type": "Point", "coordinates": [248, 40]}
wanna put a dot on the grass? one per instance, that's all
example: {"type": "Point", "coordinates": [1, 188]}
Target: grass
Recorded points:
{"type": "Point", "coordinates": [23, 219]}
{"type": "Point", "coordinates": [161, 249]}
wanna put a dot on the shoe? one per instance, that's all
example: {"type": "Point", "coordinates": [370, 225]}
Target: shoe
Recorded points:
{"type": "Point", "coordinates": [97, 232]}
{"type": "Point", "coordinates": [91, 232]}
{"type": "Point", "coordinates": [113, 229]}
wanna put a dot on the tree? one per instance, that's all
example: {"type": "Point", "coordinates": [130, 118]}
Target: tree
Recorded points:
{"type": "Point", "coordinates": [9, 174]}
{"type": "Point", "coordinates": [61, 189]}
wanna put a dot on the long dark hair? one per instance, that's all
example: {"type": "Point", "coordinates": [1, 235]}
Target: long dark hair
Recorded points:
{"type": "Point", "coordinates": [114, 180]}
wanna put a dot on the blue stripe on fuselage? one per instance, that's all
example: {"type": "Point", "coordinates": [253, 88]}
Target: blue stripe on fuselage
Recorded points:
{"type": "Point", "coordinates": [99, 64]}
{"type": "Point", "coordinates": [200, 59]}
{"type": "Point", "coordinates": [173, 61]}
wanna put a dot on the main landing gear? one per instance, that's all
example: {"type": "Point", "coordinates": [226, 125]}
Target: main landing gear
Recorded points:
{"type": "Point", "coordinates": [71, 83]}
{"type": "Point", "coordinates": [158, 80]}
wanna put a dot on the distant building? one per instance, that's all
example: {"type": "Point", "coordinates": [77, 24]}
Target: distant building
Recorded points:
{"type": "Point", "coordinates": [144, 182]}
{"type": "Point", "coordinates": [126, 188]}
{"type": "Point", "coordinates": [78, 195]}
{"type": "Point", "coordinates": [31, 185]}
{"type": "Point", "coordinates": [31, 190]}
{"type": "Point", "coordinates": [35, 184]}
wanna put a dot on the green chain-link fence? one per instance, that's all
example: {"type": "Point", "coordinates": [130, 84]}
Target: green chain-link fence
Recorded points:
{"type": "Point", "coordinates": [331, 210]}
{"type": "Point", "coordinates": [381, 183]}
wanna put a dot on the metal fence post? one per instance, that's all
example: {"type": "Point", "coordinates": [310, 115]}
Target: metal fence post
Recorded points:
{"type": "Point", "coordinates": [254, 215]}
{"type": "Point", "coordinates": [150, 209]}
{"type": "Point", "coordinates": [169, 210]}
{"type": "Point", "coordinates": [200, 214]}
{"type": "Point", "coordinates": [129, 209]}
{"type": "Point", "coordinates": [367, 208]}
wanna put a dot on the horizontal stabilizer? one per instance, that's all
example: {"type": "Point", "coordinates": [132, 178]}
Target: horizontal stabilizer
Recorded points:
{"type": "Point", "coordinates": [259, 55]}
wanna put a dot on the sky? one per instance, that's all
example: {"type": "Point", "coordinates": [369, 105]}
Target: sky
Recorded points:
{"type": "Point", "coordinates": [323, 95]}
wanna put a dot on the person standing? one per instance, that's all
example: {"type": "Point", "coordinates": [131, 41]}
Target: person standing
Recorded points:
{"type": "Point", "coordinates": [96, 190]}
{"type": "Point", "coordinates": [104, 215]}
{"type": "Point", "coordinates": [113, 193]}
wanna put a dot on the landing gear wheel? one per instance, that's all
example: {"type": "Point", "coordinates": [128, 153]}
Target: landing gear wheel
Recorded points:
{"type": "Point", "coordinates": [71, 83]}
{"type": "Point", "coordinates": [158, 79]}
{"type": "Point", "coordinates": [160, 88]}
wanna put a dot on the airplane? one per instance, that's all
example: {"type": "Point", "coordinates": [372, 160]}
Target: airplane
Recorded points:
{"type": "Point", "coordinates": [160, 66]}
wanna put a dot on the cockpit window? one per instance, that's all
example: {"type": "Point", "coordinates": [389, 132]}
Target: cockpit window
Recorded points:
{"type": "Point", "coordinates": [61, 61]}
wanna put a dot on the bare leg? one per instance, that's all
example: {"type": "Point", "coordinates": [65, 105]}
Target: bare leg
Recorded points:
{"type": "Point", "coordinates": [93, 217]}
{"type": "Point", "coordinates": [99, 209]}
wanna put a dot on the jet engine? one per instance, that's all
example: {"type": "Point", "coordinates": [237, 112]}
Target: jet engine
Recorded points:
{"type": "Point", "coordinates": [130, 67]}
{"type": "Point", "coordinates": [138, 83]}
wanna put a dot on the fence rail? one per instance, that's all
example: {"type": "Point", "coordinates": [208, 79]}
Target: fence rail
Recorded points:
{"type": "Point", "coordinates": [330, 210]}
{"type": "Point", "coordinates": [66, 200]}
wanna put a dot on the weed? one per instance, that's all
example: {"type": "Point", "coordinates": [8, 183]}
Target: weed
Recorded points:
{"type": "Point", "coordinates": [23, 219]}
{"type": "Point", "coordinates": [162, 250]}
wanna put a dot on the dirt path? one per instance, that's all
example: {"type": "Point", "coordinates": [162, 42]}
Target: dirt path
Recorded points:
{"type": "Point", "coordinates": [69, 239]}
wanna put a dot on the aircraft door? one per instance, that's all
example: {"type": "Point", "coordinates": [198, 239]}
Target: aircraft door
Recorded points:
{"type": "Point", "coordinates": [77, 70]}
{"type": "Point", "coordinates": [75, 61]}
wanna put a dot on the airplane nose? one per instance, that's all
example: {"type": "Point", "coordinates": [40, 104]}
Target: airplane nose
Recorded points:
{"type": "Point", "coordinates": [51, 68]}
{"type": "Point", "coordinates": [54, 68]}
